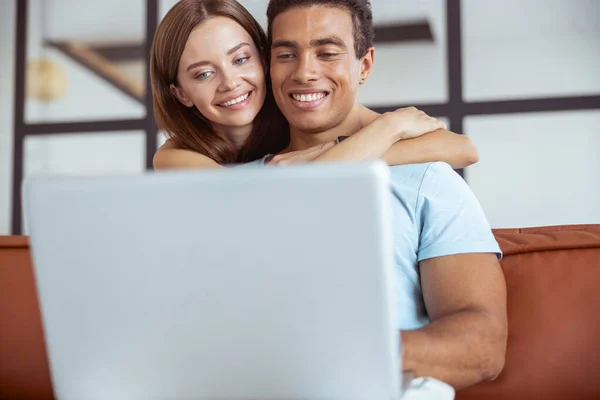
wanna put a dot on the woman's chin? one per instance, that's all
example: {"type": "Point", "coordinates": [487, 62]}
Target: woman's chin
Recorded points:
{"type": "Point", "coordinates": [241, 120]}
{"type": "Point", "coordinates": [236, 130]}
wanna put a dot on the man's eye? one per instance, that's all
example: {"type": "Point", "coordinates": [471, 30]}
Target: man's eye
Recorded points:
{"type": "Point", "coordinates": [204, 75]}
{"type": "Point", "coordinates": [328, 55]}
{"type": "Point", "coordinates": [285, 56]}
{"type": "Point", "coordinates": [241, 60]}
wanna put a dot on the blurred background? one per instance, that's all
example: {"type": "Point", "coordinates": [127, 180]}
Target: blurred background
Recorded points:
{"type": "Point", "coordinates": [521, 78]}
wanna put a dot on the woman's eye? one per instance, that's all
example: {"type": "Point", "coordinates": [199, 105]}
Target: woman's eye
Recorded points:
{"type": "Point", "coordinates": [204, 75]}
{"type": "Point", "coordinates": [241, 60]}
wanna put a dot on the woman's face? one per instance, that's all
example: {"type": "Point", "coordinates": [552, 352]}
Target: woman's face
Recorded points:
{"type": "Point", "coordinates": [221, 74]}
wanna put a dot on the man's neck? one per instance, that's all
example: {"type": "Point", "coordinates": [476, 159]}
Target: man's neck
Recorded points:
{"type": "Point", "coordinates": [300, 140]}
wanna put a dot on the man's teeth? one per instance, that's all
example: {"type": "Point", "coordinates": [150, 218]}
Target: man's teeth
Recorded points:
{"type": "Point", "coordinates": [308, 97]}
{"type": "Point", "coordinates": [235, 101]}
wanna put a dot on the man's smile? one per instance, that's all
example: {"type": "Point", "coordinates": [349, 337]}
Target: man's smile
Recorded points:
{"type": "Point", "coordinates": [308, 99]}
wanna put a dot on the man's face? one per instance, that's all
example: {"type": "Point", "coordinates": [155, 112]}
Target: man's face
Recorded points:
{"type": "Point", "coordinates": [314, 69]}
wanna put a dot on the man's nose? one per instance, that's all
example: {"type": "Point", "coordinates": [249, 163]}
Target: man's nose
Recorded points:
{"type": "Point", "coordinates": [229, 81]}
{"type": "Point", "coordinates": [307, 70]}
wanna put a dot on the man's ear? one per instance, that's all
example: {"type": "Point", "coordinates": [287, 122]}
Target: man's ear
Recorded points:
{"type": "Point", "coordinates": [366, 65]}
{"type": "Point", "coordinates": [181, 96]}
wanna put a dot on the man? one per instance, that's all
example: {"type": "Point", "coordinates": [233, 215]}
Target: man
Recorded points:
{"type": "Point", "coordinates": [452, 291]}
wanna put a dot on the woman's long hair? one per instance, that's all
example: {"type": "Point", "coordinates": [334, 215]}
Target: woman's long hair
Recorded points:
{"type": "Point", "coordinates": [186, 126]}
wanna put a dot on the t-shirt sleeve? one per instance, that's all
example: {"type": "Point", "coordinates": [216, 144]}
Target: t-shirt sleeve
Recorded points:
{"type": "Point", "coordinates": [260, 162]}
{"type": "Point", "coordinates": [452, 220]}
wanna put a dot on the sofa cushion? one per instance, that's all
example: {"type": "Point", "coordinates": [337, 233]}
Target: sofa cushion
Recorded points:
{"type": "Point", "coordinates": [553, 282]}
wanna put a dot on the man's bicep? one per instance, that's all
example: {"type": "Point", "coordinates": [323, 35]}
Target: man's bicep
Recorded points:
{"type": "Point", "coordinates": [464, 282]}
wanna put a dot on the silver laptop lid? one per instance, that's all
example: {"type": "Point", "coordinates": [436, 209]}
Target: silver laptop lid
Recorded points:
{"type": "Point", "coordinates": [248, 283]}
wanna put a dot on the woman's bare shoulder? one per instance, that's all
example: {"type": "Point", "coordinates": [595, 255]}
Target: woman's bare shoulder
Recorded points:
{"type": "Point", "coordinates": [168, 144]}
{"type": "Point", "coordinates": [169, 156]}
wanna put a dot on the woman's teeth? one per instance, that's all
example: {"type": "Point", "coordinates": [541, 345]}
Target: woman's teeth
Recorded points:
{"type": "Point", "coordinates": [308, 97]}
{"type": "Point", "coordinates": [235, 101]}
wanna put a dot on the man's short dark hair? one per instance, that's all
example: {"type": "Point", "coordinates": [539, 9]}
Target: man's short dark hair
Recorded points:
{"type": "Point", "coordinates": [360, 11]}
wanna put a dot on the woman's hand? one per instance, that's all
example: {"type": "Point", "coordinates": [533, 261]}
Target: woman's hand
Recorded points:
{"type": "Point", "coordinates": [301, 156]}
{"type": "Point", "coordinates": [410, 122]}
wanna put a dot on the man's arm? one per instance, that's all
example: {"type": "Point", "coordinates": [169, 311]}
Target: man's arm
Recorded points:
{"type": "Point", "coordinates": [465, 343]}
{"type": "Point", "coordinates": [463, 286]}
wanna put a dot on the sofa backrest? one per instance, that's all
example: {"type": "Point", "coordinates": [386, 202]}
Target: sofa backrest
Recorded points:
{"type": "Point", "coordinates": [553, 282]}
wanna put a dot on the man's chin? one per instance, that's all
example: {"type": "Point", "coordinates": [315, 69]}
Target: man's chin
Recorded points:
{"type": "Point", "coordinates": [308, 125]}
{"type": "Point", "coordinates": [310, 129]}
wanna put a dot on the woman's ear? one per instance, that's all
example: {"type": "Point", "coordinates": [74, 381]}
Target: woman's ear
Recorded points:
{"type": "Point", "coordinates": [366, 65]}
{"type": "Point", "coordinates": [181, 96]}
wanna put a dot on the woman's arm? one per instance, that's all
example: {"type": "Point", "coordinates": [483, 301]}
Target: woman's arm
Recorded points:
{"type": "Point", "coordinates": [441, 145]}
{"type": "Point", "coordinates": [378, 134]}
{"type": "Point", "coordinates": [170, 157]}
{"type": "Point", "coordinates": [404, 136]}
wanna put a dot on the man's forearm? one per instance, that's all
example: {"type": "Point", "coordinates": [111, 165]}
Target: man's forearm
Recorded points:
{"type": "Point", "coordinates": [462, 349]}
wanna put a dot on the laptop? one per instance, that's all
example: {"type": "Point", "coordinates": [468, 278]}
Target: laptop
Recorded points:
{"type": "Point", "coordinates": [240, 283]}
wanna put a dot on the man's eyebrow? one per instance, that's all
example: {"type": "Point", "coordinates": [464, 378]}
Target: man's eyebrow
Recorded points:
{"type": "Point", "coordinates": [334, 40]}
{"type": "Point", "coordinates": [284, 43]}
{"type": "Point", "coordinates": [229, 52]}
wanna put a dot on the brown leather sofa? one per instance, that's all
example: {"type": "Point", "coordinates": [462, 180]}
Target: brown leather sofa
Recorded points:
{"type": "Point", "coordinates": [553, 280]}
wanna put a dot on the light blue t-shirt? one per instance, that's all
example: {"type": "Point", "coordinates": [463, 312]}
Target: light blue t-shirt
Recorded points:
{"type": "Point", "coordinates": [435, 214]}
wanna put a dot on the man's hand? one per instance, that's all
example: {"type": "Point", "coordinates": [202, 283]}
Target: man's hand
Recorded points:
{"type": "Point", "coordinates": [301, 156]}
{"type": "Point", "coordinates": [410, 122]}
{"type": "Point", "coordinates": [465, 343]}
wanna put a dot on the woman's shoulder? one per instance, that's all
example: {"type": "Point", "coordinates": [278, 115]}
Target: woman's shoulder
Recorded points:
{"type": "Point", "coordinates": [168, 144]}
{"type": "Point", "coordinates": [171, 156]}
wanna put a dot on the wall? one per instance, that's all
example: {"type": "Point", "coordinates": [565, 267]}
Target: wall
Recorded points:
{"type": "Point", "coordinates": [88, 97]}
{"type": "Point", "coordinates": [535, 169]}
{"type": "Point", "coordinates": [7, 32]}
{"type": "Point", "coordinates": [538, 168]}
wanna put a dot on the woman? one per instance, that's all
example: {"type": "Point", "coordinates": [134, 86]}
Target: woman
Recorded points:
{"type": "Point", "coordinates": [212, 97]}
